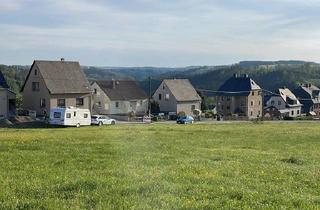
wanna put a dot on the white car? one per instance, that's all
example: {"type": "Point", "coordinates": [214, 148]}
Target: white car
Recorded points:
{"type": "Point", "coordinates": [102, 120]}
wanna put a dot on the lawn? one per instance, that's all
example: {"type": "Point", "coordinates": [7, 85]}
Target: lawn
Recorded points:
{"type": "Point", "coordinates": [230, 166]}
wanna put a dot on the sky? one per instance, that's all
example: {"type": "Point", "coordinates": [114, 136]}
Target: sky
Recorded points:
{"type": "Point", "coordinates": [171, 33]}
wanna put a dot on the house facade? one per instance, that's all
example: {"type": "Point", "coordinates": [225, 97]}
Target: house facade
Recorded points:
{"type": "Point", "coordinates": [177, 95]}
{"type": "Point", "coordinates": [240, 96]}
{"type": "Point", "coordinates": [119, 98]}
{"type": "Point", "coordinates": [309, 97]}
{"type": "Point", "coordinates": [51, 84]}
{"type": "Point", "coordinates": [7, 99]}
{"type": "Point", "coordinates": [285, 102]}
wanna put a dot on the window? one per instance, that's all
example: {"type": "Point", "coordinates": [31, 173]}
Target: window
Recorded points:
{"type": "Point", "coordinates": [79, 101]}
{"type": "Point", "coordinates": [252, 93]}
{"type": "Point", "coordinates": [222, 98]}
{"type": "Point", "coordinates": [61, 102]}
{"type": "Point", "coordinates": [167, 97]}
{"type": "Point", "coordinates": [251, 113]}
{"type": "Point", "coordinates": [95, 91]}
{"type": "Point", "coordinates": [99, 103]}
{"type": "Point", "coordinates": [298, 111]}
{"type": "Point", "coordinates": [279, 103]}
{"type": "Point", "coordinates": [42, 102]}
{"type": "Point", "coordinates": [163, 87]}
{"type": "Point", "coordinates": [259, 103]}
{"type": "Point", "coordinates": [36, 72]}
{"type": "Point", "coordinates": [228, 107]}
{"type": "Point", "coordinates": [35, 86]}
{"type": "Point", "coordinates": [74, 114]}
{"type": "Point", "coordinates": [251, 103]}
{"type": "Point", "coordinates": [228, 98]}
{"type": "Point", "coordinates": [160, 97]}
{"type": "Point", "coordinates": [117, 104]}
{"type": "Point", "coordinates": [68, 115]}
{"type": "Point", "coordinates": [292, 112]}
{"type": "Point", "coordinates": [193, 107]}
{"type": "Point", "coordinates": [85, 115]}
{"type": "Point", "coordinates": [57, 115]}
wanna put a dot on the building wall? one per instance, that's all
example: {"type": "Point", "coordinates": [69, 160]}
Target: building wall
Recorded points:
{"type": "Point", "coordinates": [229, 105]}
{"type": "Point", "coordinates": [5, 97]}
{"type": "Point", "coordinates": [31, 99]}
{"type": "Point", "coordinates": [3, 104]}
{"type": "Point", "coordinates": [166, 104]}
{"type": "Point", "coordinates": [71, 100]}
{"type": "Point", "coordinates": [139, 107]}
{"type": "Point", "coordinates": [241, 105]}
{"type": "Point", "coordinates": [186, 107]}
{"type": "Point", "coordinates": [103, 105]}
{"type": "Point", "coordinates": [255, 104]}
{"type": "Point", "coordinates": [100, 101]}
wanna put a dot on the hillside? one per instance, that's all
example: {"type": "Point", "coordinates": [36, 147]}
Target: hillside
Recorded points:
{"type": "Point", "coordinates": [269, 75]}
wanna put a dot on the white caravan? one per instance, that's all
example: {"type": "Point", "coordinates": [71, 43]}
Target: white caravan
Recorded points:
{"type": "Point", "coordinates": [70, 116]}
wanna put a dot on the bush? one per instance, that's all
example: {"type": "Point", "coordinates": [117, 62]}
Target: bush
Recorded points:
{"type": "Point", "coordinates": [181, 114]}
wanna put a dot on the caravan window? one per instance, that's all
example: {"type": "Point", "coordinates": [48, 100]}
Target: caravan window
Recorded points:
{"type": "Point", "coordinates": [57, 115]}
{"type": "Point", "coordinates": [85, 115]}
{"type": "Point", "coordinates": [74, 114]}
{"type": "Point", "coordinates": [68, 115]}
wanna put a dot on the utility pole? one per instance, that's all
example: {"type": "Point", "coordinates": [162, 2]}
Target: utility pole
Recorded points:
{"type": "Point", "coordinates": [149, 96]}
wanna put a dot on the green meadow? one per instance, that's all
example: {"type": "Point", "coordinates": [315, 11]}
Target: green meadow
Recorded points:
{"type": "Point", "coordinates": [223, 166]}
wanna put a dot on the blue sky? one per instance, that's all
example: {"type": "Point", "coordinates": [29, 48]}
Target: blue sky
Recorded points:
{"type": "Point", "coordinates": [159, 32]}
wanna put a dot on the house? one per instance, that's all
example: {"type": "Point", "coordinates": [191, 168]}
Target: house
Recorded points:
{"type": "Point", "coordinates": [309, 96]}
{"type": "Point", "coordinates": [240, 96]}
{"type": "Point", "coordinates": [285, 102]}
{"type": "Point", "coordinates": [177, 95]}
{"type": "Point", "coordinates": [7, 99]}
{"type": "Point", "coordinates": [51, 84]}
{"type": "Point", "coordinates": [119, 98]}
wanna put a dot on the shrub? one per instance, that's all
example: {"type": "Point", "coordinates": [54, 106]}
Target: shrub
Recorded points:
{"type": "Point", "coordinates": [181, 114]}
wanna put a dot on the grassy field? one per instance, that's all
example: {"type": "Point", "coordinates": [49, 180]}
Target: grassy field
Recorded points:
{"type": "Point", "coordinates": [161, 167]}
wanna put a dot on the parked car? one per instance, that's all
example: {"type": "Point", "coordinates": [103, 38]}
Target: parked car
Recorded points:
{"type": "Point", "coordinates": [69, 116]}
{"type": "Point", "coordinates": [185, 120]}
{"type": "Point", "coordinates": [102, 120]}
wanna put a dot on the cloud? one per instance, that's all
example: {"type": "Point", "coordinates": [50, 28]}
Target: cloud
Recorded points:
{"type": "Point", "coordinates": [191, 31]}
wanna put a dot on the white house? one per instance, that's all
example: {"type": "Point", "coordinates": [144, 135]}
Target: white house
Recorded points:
{"type": "Point", "coordinates": [285, 102]}
{"type": "Point", "coordinates": [119, 98]}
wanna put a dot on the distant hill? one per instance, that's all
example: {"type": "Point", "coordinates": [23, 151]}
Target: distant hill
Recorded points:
{"type": "Point", "coordinates": [268, 74]}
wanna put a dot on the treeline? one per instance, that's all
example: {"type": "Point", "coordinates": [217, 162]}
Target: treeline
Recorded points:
{"type": "Point", "coordinates": [269, 77]}
{"type": "Point", "coordinates": [15, 76]}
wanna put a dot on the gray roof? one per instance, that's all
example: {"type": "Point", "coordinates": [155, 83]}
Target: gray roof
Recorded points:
{"type": "Point", "coordinates": [238, 85]}
{"type": "Point", "coordinates": [63, 77]}
{"type": "Point", "coordinates": [124, 90]}
{"type": "Point", "coordinates": [182, 90]}
{"type": "Point", "coordinates": [3, 82]}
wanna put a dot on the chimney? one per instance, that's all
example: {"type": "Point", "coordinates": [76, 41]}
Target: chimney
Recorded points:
{"type": "Point", "coordinates": [113, 84]}
{"type": "Point", "coordinates": [62, 59]}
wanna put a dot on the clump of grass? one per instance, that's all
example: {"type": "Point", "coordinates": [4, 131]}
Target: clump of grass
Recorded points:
{"type": "Point", "coordinates": [292, 160]}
